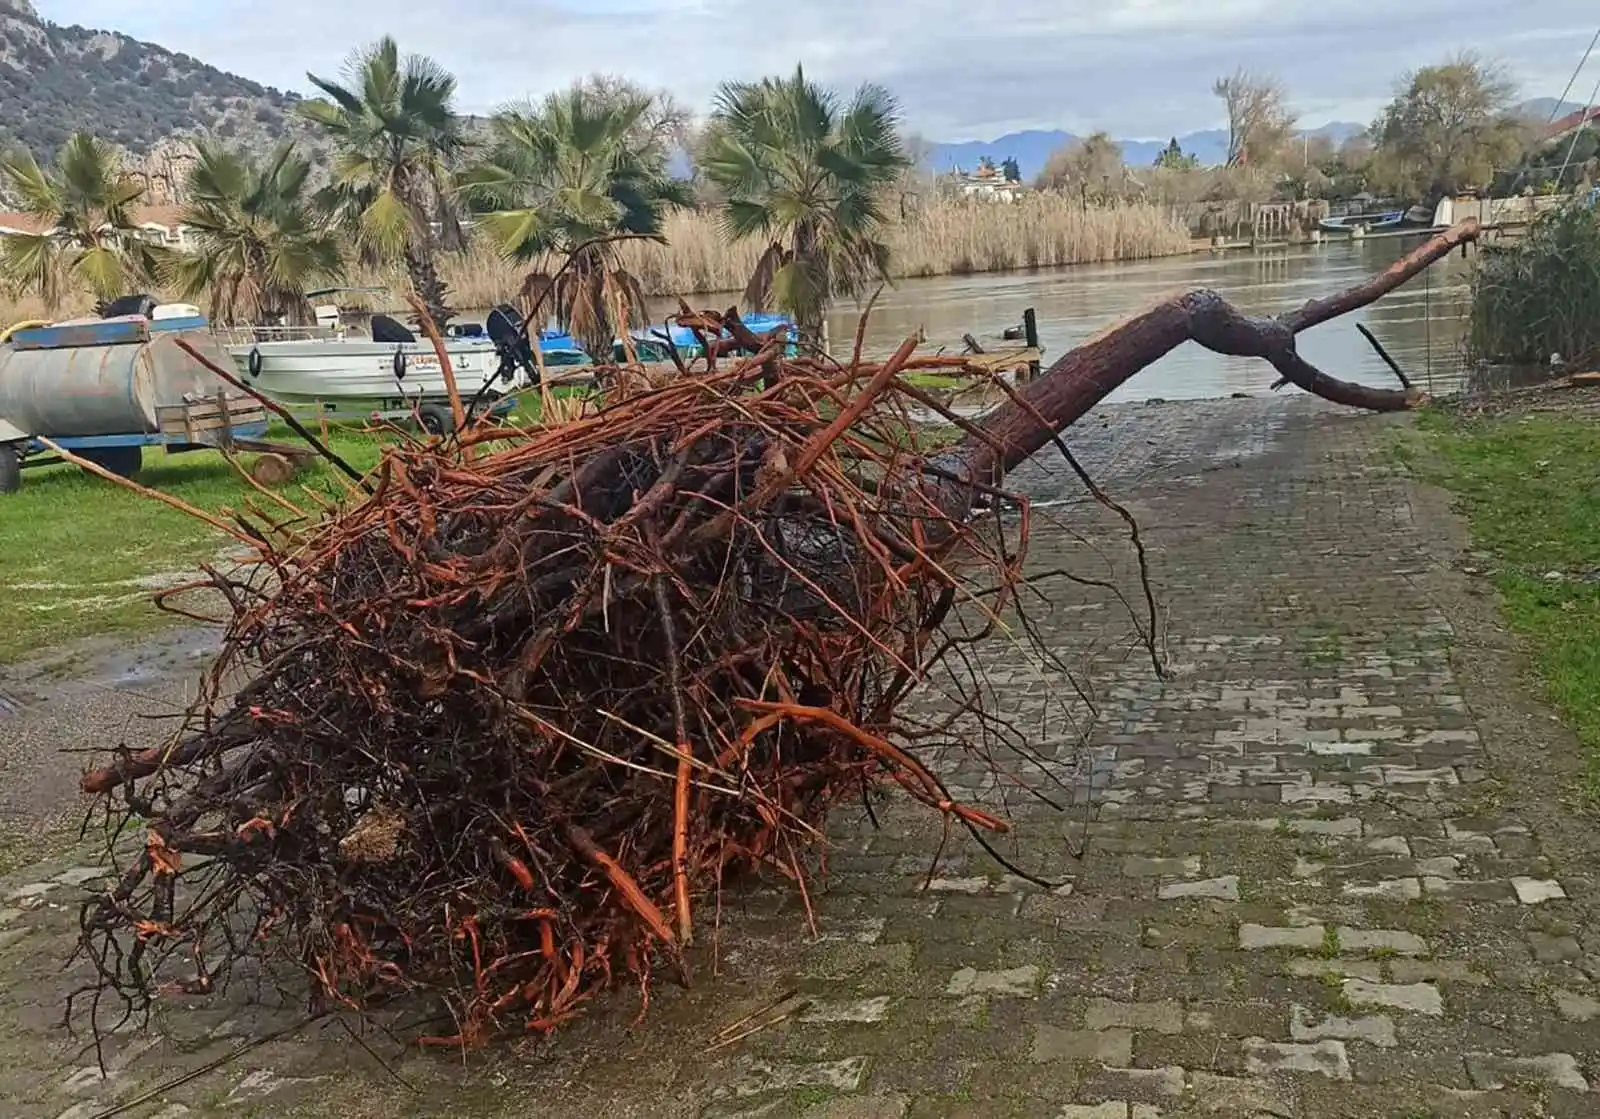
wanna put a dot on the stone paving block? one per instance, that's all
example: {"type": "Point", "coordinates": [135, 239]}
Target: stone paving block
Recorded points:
{"type": "Point", "coordinates": [1533, 891]}
{"type": "Point", "coordinates": [81, 875]}
{"type": "Point", "coordinates": [1559, 1070]}
{"type": "Point", "coordinates": [1348, 827]}
{"type": "Point", "coordinates": [1389, 845]}
{"type": "Point", "coordinates": [1395, 941]}
{"type": "Point", "coordinates": [858, 1010]}
{"type": "Point", "coordinates": [1017, 982]}
{"type": "Point", "coordinates": [32, 891]}
{"type": "Point", "coordinates": [1375, 1030]}
{"type": "Point", "coordinates": [1253, 937]}
{"type": "Point", "coordinates": [1340, 749]}
{"type": "Point", "coordinates": [866, 1107]}
{"type": "Point", "coordinates": [1108, 1047]}
{"type": "Point", "coordinates": [759, 1077]}
{"type": "Point", "coordinates": [1326, 1058]}
{"type": "Point", "coordinates": [1414, 998]}
{"type": "Point", "coordinates": [1137, 1083]}
{"type": "Point", "coordinates": [1225, 888]}
{"type": "Point", "coordinates": [1163, 1017]}
{"type": "Point", "coordinates": [1236, 1096]}
{"type": "Point", "coordinates": [1576, 1007]}
{"type": "Point", "coordinates": [1305, 869]}
{"type": "Point", "coordinates": [1554, 949]}
{"type": "Point", "coordinates": [1137, 867]}
{"type": "Point", "coordinates": [1436, 971]}
{"type": "Point", "coordinates": [1309, 968]}
{"type": "Point", "coordinates": [1393, 889]}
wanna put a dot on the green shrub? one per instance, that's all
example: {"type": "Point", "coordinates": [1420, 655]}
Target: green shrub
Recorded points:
{"type": "Point", "coordinates": [1541, 296]}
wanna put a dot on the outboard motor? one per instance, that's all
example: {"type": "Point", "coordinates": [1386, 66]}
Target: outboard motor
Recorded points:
{"type": "Point", "coordinates": [510, 338]}
{"type": "Point", "coordinates": [142, 305]}
{"type": "Point", "coordinates": [387, 329]}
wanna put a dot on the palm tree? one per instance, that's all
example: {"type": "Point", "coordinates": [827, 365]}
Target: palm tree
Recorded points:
{"type": "Point", "coordinates": [396, 133]}
{"type": "Point", "coordinates": [258, 243]}
{"type": "Point", "coordinates": [589, 163]}
{"type": "Point", "coordinates": [805, 173]}
{"type": "Point", "coordinates": [87, 234]}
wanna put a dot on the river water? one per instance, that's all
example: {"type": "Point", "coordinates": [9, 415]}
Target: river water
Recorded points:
{"type": "Point", "coordinates": [1420, 324]}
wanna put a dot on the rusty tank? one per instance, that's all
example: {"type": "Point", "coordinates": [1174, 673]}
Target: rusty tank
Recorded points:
{"type": "Point", "coordinates": [104, 376]}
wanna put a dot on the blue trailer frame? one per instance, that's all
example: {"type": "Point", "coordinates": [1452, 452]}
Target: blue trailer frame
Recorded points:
{"type": "Point", "coordinates": [249, 431]}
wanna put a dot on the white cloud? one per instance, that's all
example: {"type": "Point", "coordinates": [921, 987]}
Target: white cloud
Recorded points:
{"type": "Point", "coordinates": [962, 70]}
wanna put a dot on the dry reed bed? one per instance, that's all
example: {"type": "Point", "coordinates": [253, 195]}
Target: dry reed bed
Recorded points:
{"type": "Point", "coordinates": [942, 238]}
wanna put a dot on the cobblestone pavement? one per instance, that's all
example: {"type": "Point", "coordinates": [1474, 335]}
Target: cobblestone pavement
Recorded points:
{"type": "Point", "coordinates": [1328, 868]}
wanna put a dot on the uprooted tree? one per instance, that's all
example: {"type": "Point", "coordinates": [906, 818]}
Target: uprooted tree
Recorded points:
{"type": "Point", "coordinates": [495, 727]}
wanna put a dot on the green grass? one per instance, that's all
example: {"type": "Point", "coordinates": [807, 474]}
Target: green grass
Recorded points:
{"type": "Point", "coordinates": [938, 381]}
{"type": "Point", "coordinates": [81, 557]}
{"type": "Point", "coordinates": [78, 554]}
{"type": "Point", "coordinates": [1530, 488]}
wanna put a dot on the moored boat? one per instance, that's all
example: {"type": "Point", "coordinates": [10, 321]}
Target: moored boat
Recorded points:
{"type": "Point", "coordinates": [650, 343]}
{"type": "Point", "coordinates": [392, 371]}
{"type": "Point", "coordinates": [1365, 223]}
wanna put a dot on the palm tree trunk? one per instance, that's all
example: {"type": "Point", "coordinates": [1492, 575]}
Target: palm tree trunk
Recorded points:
{"type": "Point", "coordinates": [422, 266]}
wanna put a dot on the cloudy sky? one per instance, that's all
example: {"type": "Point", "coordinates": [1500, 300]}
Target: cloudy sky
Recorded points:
{"type": "Point", "coordinates": [963, 69]}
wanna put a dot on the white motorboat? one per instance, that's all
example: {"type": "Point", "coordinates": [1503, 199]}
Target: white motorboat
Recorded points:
{"type": "Point", "coordinates": [392, 371]}
{"type": "Point", "coordinates": [343, 369]}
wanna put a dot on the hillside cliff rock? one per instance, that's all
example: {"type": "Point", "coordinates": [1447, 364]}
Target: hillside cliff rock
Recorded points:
{"type": "Point", "coordinates": [55, 80]}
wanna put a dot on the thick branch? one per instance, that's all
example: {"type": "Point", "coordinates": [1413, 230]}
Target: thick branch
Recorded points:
{"type": "Point", "coordinates": [1083, 377]}
{"type": "Point", "coordinates": [1319, 311]}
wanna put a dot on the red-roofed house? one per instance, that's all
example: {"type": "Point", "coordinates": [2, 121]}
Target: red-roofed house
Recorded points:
{"type": "Point", "coordinates": [1571, 123]}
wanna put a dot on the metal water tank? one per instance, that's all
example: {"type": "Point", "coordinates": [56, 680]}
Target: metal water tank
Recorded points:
{"type": "Point", "coordinates": [103, 376]}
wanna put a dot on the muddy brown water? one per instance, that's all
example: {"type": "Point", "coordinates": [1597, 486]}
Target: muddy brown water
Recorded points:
{"type": "Point", "coordinates": [1422, 324]}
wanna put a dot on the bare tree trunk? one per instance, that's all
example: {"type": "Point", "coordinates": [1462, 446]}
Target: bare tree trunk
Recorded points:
{"type": "Point", "coordinates": [1083, 377]}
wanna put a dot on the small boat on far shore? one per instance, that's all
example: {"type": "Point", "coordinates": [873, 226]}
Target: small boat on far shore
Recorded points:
{"type": "Point", "coordinates": [1365, 223]}
{"type": "Point", "coordinates": [1417, 219]}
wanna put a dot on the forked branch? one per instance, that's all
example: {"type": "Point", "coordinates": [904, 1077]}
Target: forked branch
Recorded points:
{"type": "Point", "coordinates": [1084, 376]}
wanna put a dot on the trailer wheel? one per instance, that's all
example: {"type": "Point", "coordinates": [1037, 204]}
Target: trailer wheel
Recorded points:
{"type": "Point", "coordinates": [437, 419]}
{"type": "Point", "coordinates": [10, 468]}
{"type": "Point", "coordinates": [124, 462]}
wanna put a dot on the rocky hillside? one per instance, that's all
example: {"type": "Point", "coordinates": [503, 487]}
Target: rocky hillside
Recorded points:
{"type": "Point", "coordinates": [55, 80]}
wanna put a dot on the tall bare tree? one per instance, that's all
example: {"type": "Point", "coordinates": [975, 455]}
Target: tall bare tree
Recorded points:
{"type": "Point", "coordinates": [1092, 168]}
{"type": "Point", "coordinates": [1259, 120]}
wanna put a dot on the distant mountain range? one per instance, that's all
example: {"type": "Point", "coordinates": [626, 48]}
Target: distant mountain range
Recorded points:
{"type": "Point", "coordinates": [1543, 110]}
{"type": "Point", "coordinates": [1031, 148]}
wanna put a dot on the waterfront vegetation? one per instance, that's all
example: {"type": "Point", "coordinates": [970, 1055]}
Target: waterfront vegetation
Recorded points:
{"type": "Point", "coordinates": [798, 195]}
{"type": "Point", "coordinates": [941, 237]}
{"type": "Point", "coordinates": [1527, 487]}
{"type": "Point", "coordinates": [1541, 296]}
